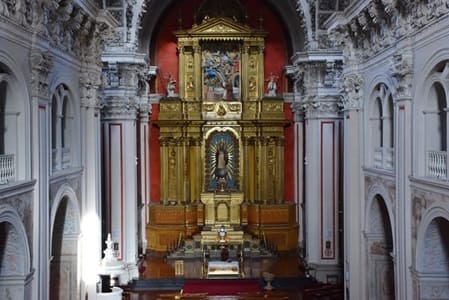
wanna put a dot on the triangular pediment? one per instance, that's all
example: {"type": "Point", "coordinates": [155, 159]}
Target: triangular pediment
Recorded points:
{"type": "Point", "coordinates": [219, 27]}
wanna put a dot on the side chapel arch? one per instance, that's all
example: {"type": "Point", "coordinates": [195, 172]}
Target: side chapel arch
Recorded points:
{"type": "Point", "coordinates": [65, 231]}
{"type": "Point", "coordinates": [432, 253]}
{"type": "Point", "coordinates": [380, 245]}
{"type": "Point", "coordinates": [15, 248]}
{"type": "Point", "coordinates": [15, 259]}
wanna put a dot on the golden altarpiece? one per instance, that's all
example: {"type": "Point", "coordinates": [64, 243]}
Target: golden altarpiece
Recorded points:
{"type": "Point", "coordinates": [221, 143]}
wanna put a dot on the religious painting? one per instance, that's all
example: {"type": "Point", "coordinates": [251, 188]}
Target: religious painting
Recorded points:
{"type": "Point", "coordinates": [221, 71]}
{"type": "Point", "coordinates": [222, 162]}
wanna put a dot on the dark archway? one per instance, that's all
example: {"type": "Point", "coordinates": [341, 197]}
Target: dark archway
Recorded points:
{"type": "Point", "coordinates": [381, 273]}
{"type": "Point", "coordinates": [64, 252]}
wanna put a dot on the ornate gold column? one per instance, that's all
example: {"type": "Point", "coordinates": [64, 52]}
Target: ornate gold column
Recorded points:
{"type": "Point", "coordinates": [182, 70]}
{"type": "Point", "coordinates": [195, 169]}
{"type": "Point", "coordinates": [280, 185]}
{"type": "Point", "coordinates": [165, 158]}
{"type": "Point", "coordinates": [197, 69]}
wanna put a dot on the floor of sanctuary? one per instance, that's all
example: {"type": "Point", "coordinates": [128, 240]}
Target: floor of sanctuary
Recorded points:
{"type": "Point", "coordinates": [287, 268]}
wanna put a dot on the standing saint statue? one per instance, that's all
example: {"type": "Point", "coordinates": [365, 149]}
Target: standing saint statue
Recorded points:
{"type": "Point", "coordinates": [171, 86]}
{"type": "Point", "coordinates": [272, 85]}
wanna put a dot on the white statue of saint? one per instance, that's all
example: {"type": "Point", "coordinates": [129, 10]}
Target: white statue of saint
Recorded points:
{"type": "Point", "coordinates": [272, 85]}
{"type": "Point", "coordinates": [171, 86]}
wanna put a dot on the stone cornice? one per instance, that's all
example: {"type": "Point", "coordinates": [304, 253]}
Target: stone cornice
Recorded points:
{"type": "Point", "coordinates": [105, 17]}
{"type": "Point", "coordinates": [317, 55]}
{"type": "Point", "coordinates": [119, 55]}
{"type": "Point", "coordinates": [67, 26]}
{"type": "Point", "coordinates": [368, 27]}
{"type": "Point", "coordinates": [89, 6]}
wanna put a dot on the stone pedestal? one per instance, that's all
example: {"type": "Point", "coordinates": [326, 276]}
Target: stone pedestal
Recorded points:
{"type": "Point", "coordinates": [212, 236]}
{"type": "Point", "coordinates": [222, 208]}
{"type": "Point", "coordinates": [110, 265]}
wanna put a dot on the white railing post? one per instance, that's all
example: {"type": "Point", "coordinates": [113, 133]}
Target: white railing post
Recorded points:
{"type": "Point", "coordinates": [436, 164]}
{"type": "Point", "coordinates": [7, 168]}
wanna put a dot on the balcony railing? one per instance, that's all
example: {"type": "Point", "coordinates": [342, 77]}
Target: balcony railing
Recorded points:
{"type": "Point", "coordinates": [7, 168]}
{"type": "Point", "coordinates": [437, 164]}
{"type": "Point", "coordinates": [383, 158]}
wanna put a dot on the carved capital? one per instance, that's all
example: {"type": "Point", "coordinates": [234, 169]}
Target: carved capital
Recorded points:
{"type": "Point", "coordinates": [41, 65]}
{"type": "Point", "coordinates": [402, 72]}
{"type": "Point", "coordinates": [120, 108]}
{"type": "Point", "coordinates": [351, 90]}
{"type": "Point", "coordinates": [320, 107]}
{"type": "Point", "coordinates": [333, 73]}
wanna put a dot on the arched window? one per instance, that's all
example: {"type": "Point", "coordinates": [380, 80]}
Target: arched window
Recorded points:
{"type": "Point", "coordinates": [436, 123]}
{"type": "Point", "coordinates": [61, 129]}
{"type": "Point", "coordinates": [382, 128]}
{"type": "Point", "coordinates": [9, 129]}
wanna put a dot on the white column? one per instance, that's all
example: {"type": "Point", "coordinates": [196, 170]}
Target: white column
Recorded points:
{"type": "Point", "coordinates": [403, 246]}
{"type": "Point", "coordinates": [122, 97]}
{"type": "Point", "coordinates": [299, 173]}
{"type": "Point", "coordinates": [41, 66]}
{"type": "Point", "coordinates": [91, 237]}
{"type": "Point", "coordinates": [312, 192]}
{"type": "Point", "coordinates": [42, 221]}
{"type": "Point", "coordinates": [354, 265]}
{"type": "Point", "coordinates": [144, 175]}
{"type": "Point", "coordinates": [401, 69]}
{"type": "Point", "coordinates": [322, 193]}
{"type": "Point", "coordinates": [120, 153]}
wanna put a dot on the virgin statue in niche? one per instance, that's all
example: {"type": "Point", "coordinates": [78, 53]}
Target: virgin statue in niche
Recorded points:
{"type": "Point", "coordinates": [222, 157]}
{"type": "Point", "coordinates": [221, 163]}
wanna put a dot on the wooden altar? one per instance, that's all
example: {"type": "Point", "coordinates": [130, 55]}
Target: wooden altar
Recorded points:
{"type": "Point", "coordinates": [221, 141]}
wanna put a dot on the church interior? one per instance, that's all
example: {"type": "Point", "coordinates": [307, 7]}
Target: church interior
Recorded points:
{"type": "Point", "coordinates": [291, 149]}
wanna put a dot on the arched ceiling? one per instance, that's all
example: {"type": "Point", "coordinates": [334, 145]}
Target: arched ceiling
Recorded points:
{"type": "Point", "coordinates": [286, 9]}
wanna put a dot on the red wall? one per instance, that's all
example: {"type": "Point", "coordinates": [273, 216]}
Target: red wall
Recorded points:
{"type": "Point", "coordinates": [166, 58]}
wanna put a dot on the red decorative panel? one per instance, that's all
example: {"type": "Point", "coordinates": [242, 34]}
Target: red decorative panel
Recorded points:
{"type": "Point", "coordinates": [191, 215]}
{"type": "Point", "coordinates": [253, 214]}
{"type": "Point", "coordinates": [274, 216]}
{"type": "Point", "coordinates": [167, 215]}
